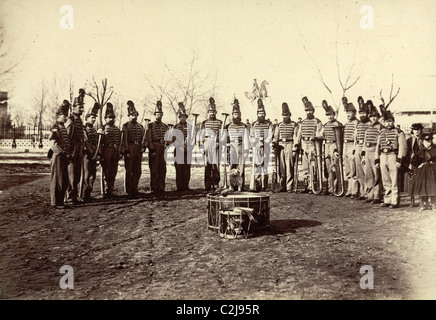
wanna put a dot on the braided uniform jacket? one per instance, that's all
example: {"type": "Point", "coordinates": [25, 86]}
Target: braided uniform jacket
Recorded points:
{"type": "Point", "coordinates": [211, 127]}
{"type": "Point", "coordinates": [285, 131]}
{"type": "Point", "coordinates": [329, 134]}
{"type": "Point", "coordinates": [360, 132]}
{"type": "Point", "coordinates": [76, 124]}
{"type": "Point", "coordinates": [112, 136]}
{"type": "Point", "coordinates": [133, 132]}
{"type": "Point", "coordinates": [92, 136]}
{"type": "Point", "coordinates": [258, 129]}
{"type": "Point", "coordinates": [157, 132]}
{"type": "Point", "coordinates": [237, 133]}
{"type": "Point", "coordinates": [391, 140]}
{"type": "Point", "coordinates": [350, 130]}
{"type": "Point", "coordinates": [60, 135]}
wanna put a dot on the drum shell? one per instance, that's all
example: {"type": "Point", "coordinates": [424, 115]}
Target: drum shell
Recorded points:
{"type": "Point", "coordinates": [235, 225]}
{"type": "Point", "coordinates": [260, 202]}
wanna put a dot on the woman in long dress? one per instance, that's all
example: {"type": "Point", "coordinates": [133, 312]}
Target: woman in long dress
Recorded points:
{"type": "Point", "coordinates": [424, 184]}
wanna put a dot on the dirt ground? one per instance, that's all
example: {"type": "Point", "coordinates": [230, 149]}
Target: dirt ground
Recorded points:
{"type": "Point", "coordinates": [160, 247]}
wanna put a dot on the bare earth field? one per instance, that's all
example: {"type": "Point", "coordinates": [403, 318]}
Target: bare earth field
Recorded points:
{"type": "Point", "coordinates": [159, 248]}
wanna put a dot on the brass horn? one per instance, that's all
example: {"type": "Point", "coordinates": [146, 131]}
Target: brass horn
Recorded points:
{"type": "Point", "coordinates": [337, 166]}
{"type": "Point", "coordinates": [315, 170]}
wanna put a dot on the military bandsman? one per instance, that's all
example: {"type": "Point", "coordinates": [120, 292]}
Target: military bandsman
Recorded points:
{"type": "Point", "coordinates": [111, 150]}
{"type": "Point", "coordinates": [134, 146]}
{"type": "Point", "coordinates": [157, 140]}
{"type": "Point", "coordinates": [390, 149]}
{"type": "Point", "coordinates": [349, 138]}
{"type": "Point", "coordinates": [60, 156]}
{"type": "Point", "coordinates": [284, 136]}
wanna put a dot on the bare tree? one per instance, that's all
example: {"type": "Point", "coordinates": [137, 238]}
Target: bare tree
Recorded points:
{"type": "Point", "coordinates": [193, 87]}
{"type": "Point", "coordinates": [384, 106]}
{"type": "Point", "coordinates": [6, 68]}
{"type": "Point", "coordinates": [100, 94]}
{"type": "Point", "coordinates": [345, 84]}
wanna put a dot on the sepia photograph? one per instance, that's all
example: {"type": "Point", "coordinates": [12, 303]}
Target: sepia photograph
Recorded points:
{"type": "Point", "coordinates": [217, 151]}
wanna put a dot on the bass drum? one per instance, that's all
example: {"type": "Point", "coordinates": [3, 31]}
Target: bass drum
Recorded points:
{"type": "Point", "coordinates": [259, 202]}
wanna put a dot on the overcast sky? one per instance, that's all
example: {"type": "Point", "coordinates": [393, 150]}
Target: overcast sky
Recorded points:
{"type": "Point", "coordinates": [281, 41]}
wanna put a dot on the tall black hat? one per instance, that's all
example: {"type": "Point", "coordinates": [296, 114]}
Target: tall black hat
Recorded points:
{"type": "Point", "coordinates": [388, 115]}
{"type": "Point", "coordinates": [235, 106]}
{"type": "Point", "coordinates": [307, 104]}
{"type": "Point", "coordinates": [344, 101]}
{"type": "Point", "coordinates": [372, 110]}
{"type": "Point", "coordinates": [350, 107]}
{"type": "Point", "coordinates": [328, 109]}
{"type": "Point", "coordinates": [363, 107]}
{"type": "Point", "coordinates": [285, 109]}
{"type": "Point", "coordinates": [63, 109]}
{"type": "Point", "coordinates": [212, 106]}
{"type": "Point", "coordinates": [360, 101]}
{"type": "Point", "coordinates": [158, 108]}
{"type": "Point", "coordinates": [93, 111]}
{"type": "Point", "coordinates": [260, 106]}
{"type": "Point", "coordinates": [131, 108]}
{"type": "Point", "coordinates": [109, 113]}
{"type": "Point", "coordinates": [182, 111]}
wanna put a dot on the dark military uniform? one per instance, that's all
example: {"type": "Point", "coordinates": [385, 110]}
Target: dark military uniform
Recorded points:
{"type": "Point", "coordinates": [181, 161]}
{"type": "Point", "coordinates": [284, 137]}
{"type": "Point", "coordinates": [59, 162]}
{"type": "Point", "coordinates": [89, 159]}
{"type": "Point", "coordinates": [133, 133]}
{"type": "Point", "coordinates": [111, 151]}
{"type": "Point", "coordinates": [75, 130]}
{"type": "Point", "coordinates": [157, 137]}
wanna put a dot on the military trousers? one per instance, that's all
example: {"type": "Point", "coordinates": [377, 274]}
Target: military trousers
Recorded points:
{"type": "Point", "coordinates": [373, 183]}
{"type": "Point", "coordinates": [211, 169]}
{"type": "Point", "coordinates": [75, 172]}
{"type": "Point", "coordinates": [237, 161]}
{"type": "Point", "coordinates": [331, 162]}
{"type": "Point", "coordinates": [389, 173]}
{"type": "Point", "coordinates": [308, 156]}
{"type": "Point", "coordinates": [58, 179]}
{"type": "Point", "coordinates": [158, 168]}
{"type": "Point", "coordinates": [183, 171]}
{"type": "Point", "coordinates": [89, 176]}
{"type": "Point", "coordinates": [133, 168]}
{"type": "Point", "coordinates": [350, 169]}
{"type": "Point", "coordinates": [110, 167]}
{"type": "Point", "coordinates": [360, 173]}
{"type": "Point", "coordinates": [286, 165]}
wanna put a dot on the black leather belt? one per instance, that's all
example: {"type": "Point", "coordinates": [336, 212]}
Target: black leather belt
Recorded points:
{"type": "Point", "coordinates": [330, 141]}
{"type": "Point", "coordinates": [113, 145]}
{"type": "Point", "coordinates": [134, 142]}
{"type": "Point", "coordinates": [307, 139]}
{"type": "Point", "coordinates": [349, 141]}
{"type": "Point", "coordinates": [371, 144]}
{"type": "Point", "coordinates": [388, 150]}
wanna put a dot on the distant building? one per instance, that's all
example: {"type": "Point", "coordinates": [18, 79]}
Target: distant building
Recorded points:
{"type": "Point", "coordinates": [3, 104]}
{"type": "Point", "coordinates": [427, 117]}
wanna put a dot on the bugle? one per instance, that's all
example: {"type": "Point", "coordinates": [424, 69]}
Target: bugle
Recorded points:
{"type": "Point", "coordinates": [225, 180]}
{"type": "Point", "coordinates": [337, 166]}
{"type": "Point", "coordinates": [315, 169]}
